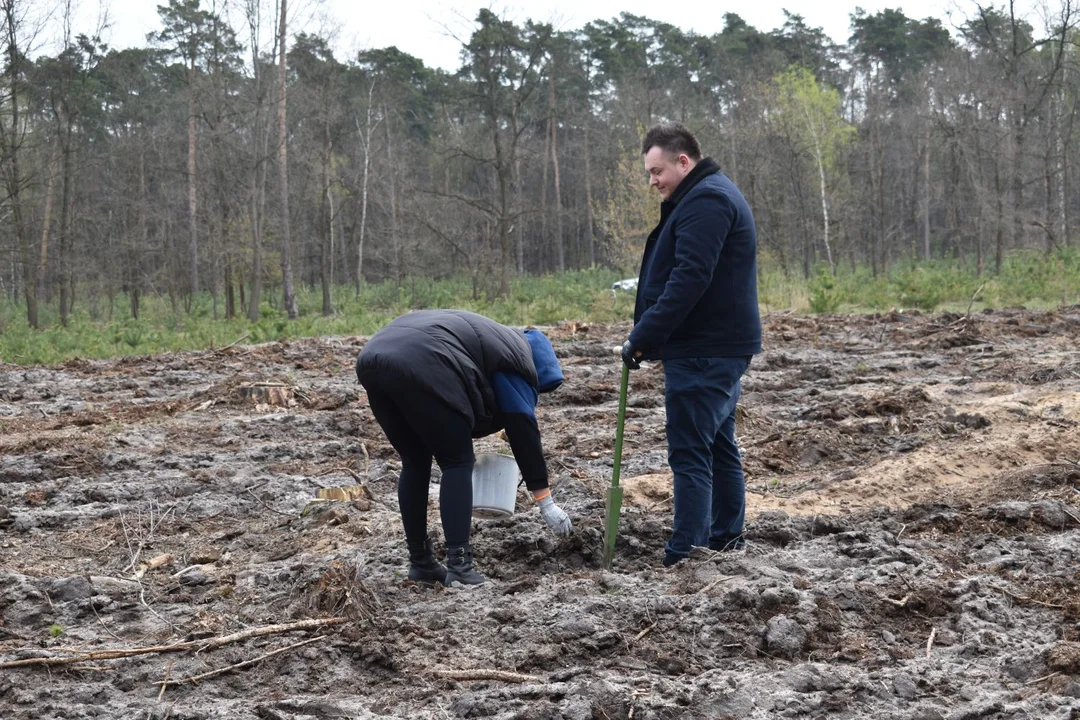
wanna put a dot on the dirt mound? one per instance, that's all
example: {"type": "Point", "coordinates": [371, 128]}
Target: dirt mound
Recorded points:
{"type": "Point", "coordinates": [913, 540]}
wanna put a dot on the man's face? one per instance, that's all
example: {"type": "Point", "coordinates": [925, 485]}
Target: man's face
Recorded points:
{"type": "Point", "coordinates": [666, 170]}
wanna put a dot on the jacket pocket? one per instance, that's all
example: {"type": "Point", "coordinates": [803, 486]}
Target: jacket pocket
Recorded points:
{"type": "Point", "coordinates": [651, 293]}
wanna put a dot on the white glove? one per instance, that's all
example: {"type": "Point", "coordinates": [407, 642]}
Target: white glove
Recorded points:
{"type": "Point", "coordinates": [556, 519]}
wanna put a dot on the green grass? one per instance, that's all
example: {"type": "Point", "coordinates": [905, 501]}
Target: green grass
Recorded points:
{"type": "Point", "coordinates": [1034, 280]}
{"type": "Point", "coordinates": [582, 295]}
{"type": "Point", "coordinates": [1029, 279]}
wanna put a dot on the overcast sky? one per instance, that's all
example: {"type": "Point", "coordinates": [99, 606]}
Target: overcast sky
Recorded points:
{"type": "Point", "coordinates": [427, 28]}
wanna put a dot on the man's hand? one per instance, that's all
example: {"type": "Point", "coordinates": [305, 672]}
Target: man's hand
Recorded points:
{"type": "Point", "coordinates": [630, 356]}
{"type": "Point", "coordinates": [556, 519]}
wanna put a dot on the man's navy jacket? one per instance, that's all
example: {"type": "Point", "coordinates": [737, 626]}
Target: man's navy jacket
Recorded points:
{"type": "Point", "coordinates": [697, 291]}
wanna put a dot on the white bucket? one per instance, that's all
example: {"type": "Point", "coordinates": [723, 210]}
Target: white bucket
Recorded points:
{"type": "Point", "coordinates": [494, 486]}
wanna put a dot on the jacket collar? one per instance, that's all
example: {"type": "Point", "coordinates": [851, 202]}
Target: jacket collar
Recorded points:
{"type": "Point", "coordinates": [705, 167]}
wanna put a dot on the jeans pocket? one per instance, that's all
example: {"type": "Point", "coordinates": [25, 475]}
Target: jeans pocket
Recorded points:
{"type": "Point", "coordinates": [700, 364]}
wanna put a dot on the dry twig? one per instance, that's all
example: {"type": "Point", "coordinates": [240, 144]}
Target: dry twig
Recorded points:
{"type": "Point", "coordinates": [500, 675]}
{"type": "Point", "coordinates": [140, 535]}
{"type": "Point", "coordinates": [644, 632]}
{"type": "Point", "coordinates": [245, 336]}
{"type": "Point", "coordinates": [165, 683]}
{"type": "Point", "coordinates": [930, 640]}
{"type": "Point", "coordinates": [1023, 598]}
{"type": "Point", "coordinates": [714, 583]}
{"type": "Point", "coordinates": [265, 505]}
{"type": "Point", "coordinates": [246, 663]}
{"type": "Point", "coordinates": [341, 468]}
{"type": "Point", "coordinates": [1044, 678]}
{"type": "Point", "coordinates": [198, 645]}
{"type": "Point", "coordinates": [902, 602]}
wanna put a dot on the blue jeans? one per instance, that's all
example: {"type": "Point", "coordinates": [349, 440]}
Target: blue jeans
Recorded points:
{"type": "Point", "coordinates": [700, 395]}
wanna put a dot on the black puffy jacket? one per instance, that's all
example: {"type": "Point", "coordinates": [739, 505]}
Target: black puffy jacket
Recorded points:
{"type": "Point", "coordinates": [452, 355]}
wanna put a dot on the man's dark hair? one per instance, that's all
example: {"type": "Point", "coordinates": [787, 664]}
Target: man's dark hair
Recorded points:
{"type": "Point", "coordinates": [674, 138]}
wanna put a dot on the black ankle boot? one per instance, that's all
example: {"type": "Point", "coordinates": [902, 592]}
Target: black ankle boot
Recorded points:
{"type": "Point", "coordinates": [459, 566]}
{"type": "Point", "coordinates": [423, 567]}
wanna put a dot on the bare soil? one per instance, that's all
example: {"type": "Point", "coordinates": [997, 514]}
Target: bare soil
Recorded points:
{"type": "Point", "coordinates": [913, 540]}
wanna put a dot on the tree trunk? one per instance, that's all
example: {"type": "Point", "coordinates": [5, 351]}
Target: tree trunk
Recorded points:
{"type": "Point", "coordinates": [503, 167]}
{"type": "Point", "coordinates": [953, 239]}
{"type": "Point", "coordinates": [193, 236]}
{"type": "Point", "coordinates": [327, 254]}
{"type": "Point", "coordinates": [288, 292]}
{"type": "Point", "coordinates": [135, 258]}
{"type": "Point", "coordinates": [823, 190]}
{"type": "Point", "coordinates": [395, 241]}
{"type": "Point", "coordinates": [926, 192]}
{"type": "Point", "coordinates": [226, 250]}
{"type": "Point", "coordinates": [590, 248]}
{"type": "Point", "coordinates": [260, 144]}
{"type": "Point", "coordinates": [545, 160]}
{"type": "Point", "coordinates": [364, 188]}
{"type": "Point", "coordinates": [560, 246]}
{"type": "Point", "coordinates": [63, 255]}
{"type": "Point", "coordinates": [1063, 131]}
{"type": "Point", "coordinates": [11, 146]}
{"type": "Point", "coordinates": [999, 242]}
{"type": "Point", "coordinates": [504, 234]}
{"type": "Point", "coordinates": [258, 198]}
{"type": "Point", "coordinates": [875, 220]}
{"type": "Point", "coordinates": [50, 192]}
{"type": "Point", "coordinates": [519, 227]}
{"type": "Point", "coordinates": [1018, 187]}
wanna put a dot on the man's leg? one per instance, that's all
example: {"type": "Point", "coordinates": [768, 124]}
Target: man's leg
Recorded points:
{"type": "Point", "coordinates": [700, 398]}
{"type": "Point", "coordinates": [691, 427]}
{"type": "Point", "coordinates": [729, 484]}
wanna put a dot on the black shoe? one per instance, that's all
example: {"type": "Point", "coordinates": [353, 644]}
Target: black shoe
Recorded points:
{"type": "Point", "coordinates": [459, 567]}
{"type": "Point", "coordinates": [672, 559]}
{"type": "Point", "coordinates": [423, 567]}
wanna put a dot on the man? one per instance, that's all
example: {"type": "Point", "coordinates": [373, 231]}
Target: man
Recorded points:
{"type": "Point", "coordinates": [436, 379]}
{"type": "Point", "coordinates": [697, 311]}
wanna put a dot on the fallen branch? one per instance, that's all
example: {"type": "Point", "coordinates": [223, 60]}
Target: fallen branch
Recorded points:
{"type": "Point", "coordinates": [930, 640]}
{"type": "Point", "coordinates": [501, 675]}
{"type": "Point", "coordinates": [199, 645]}
{"type": "Point", "coordinates": [245, 336]}
{"type": "Point", "coordinates": [658, 503]}
{"type": "Point", "coordinates": [765, 440]}
{"type": "Point", "coordinates": [263, 503]}
{"type": "Point", "coordinates": [247, 663]}
{"type": "Point", "coordinates": [643, 633]}
{"type": "Point", "coordinates": [1023, 598]}
{"type": "Point", "coordinates": [1044, 678]}
{"type": "Point", "coordinates": [341, 468]}
{"type": "Point", "coordinates": [902, 602]}
{"type": "Point", "coordinates": [165, 683]}
{"type": "Point", "coordinates": [967, 315]}
{"type": "Point", "coordinates": [714, 583]}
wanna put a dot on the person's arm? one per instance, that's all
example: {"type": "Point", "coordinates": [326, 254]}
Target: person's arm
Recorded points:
{"type": "Point", "coordinates": [699, 239]}
{"type": "Point", "coordinates": [516, 399]}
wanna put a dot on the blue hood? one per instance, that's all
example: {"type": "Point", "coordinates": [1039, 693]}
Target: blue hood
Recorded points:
{"type": "Point", "coordinates": [548, 371]}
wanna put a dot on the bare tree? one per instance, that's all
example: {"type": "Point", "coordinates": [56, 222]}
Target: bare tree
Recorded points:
{"type": "Point", "coordinates": [13, 25]}
{"type": "Point", "coordinates": [288, 292]}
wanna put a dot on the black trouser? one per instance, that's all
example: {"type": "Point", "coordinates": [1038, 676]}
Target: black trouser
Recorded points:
{"type": "Point", "coordinates": [419, 427]}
